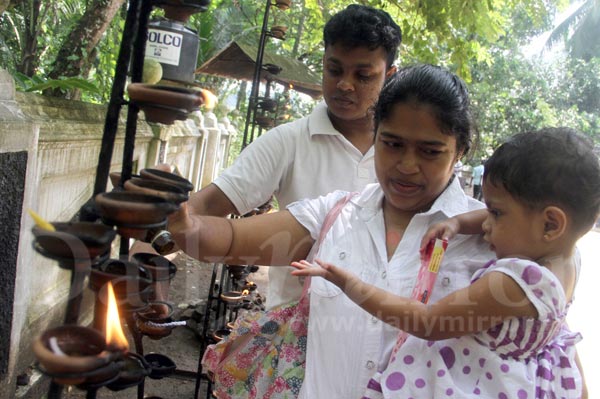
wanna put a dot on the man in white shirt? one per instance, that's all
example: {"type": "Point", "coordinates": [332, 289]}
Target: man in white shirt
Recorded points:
{"type": "Point", "coordinates": [327, 150]}
{"type": "Point", "coordinates": [477, 180]}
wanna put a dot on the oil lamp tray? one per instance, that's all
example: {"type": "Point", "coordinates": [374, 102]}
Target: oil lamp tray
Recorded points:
{"type": "Point", "coordinates": [167, 177]}
{"type": "Point", "coordinates": [74, 240]}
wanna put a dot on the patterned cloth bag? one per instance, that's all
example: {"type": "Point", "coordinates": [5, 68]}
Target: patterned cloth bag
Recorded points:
{"type": "Point", "coordinates": [265, 354]}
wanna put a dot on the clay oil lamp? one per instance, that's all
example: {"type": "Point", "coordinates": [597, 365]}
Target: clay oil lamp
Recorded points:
{"type": "Point", "coordinates": [220, 334]}
{"type": "Point", "coordinates": [115, 178]}
{"type": "Point", "coordinates": [132, 296]}
{"type": "Point", "coordinates": [154, 322]}
{"type": "Point", "coordinates": [133, 369]}
{"type": "Point", "coordinates": [278, 31]}
{"type": "Point", "coordinates": [131, 282]}
{"type": "Point", "coordinates": [250, 286]}
{"type": "Point", "coordinates": [181, 10]}
{"type": "Point", "coordinates": [73, 241]}
{"type": "Point", "coordinates": [74, 355]}
{"type": "Point", "coordinates": [247, 304]}
{"type": "Point", "coordinates": [167, 177]}
{"type": "Point", "coordinates": [165, 104]}
{"type": "Point", "coordinates": [264, 121]}
{"type": "Point", "coordinates": [133, 213]}
{"type": "Point", "coordinates": [267, 104]}
{"type": "Point", "coordinates": [160, 365]}
{"type": "Point", "coordinates": [172, 96]}
{"type": "Point", "coordinates": [160, 268]}
{"type": "Point", "coordinates": [237, 272]}
{"type": "Point", "coordinates": [283, 4]}
{"type": "Point", "coordinates": [117, 270]}
{"type": "Point", "coordinates": [70, 354]}
{"type": "Point", "coordinates": [234, 298]}
{"type": "Point", "coordinates": [168, 191]}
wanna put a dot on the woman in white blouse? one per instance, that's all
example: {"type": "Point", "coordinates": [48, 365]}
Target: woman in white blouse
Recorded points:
{"type": "Point", "coordinates": [423, 127]}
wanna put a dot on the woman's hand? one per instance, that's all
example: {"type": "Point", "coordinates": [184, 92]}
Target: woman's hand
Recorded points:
{"type": "Point", "coordinates": [328, 271]}
{"type": "Point", "coordinates": [445, 230]}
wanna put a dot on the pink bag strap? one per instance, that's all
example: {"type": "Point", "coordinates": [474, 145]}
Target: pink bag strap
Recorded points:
{"type": "Point", "coordinates": [430, 265]}
{"type": "Point", "coordinates": [327, 223]}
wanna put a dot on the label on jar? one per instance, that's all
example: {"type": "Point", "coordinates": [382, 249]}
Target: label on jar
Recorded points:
{"type": "Point", "coordinates": [164, 46]}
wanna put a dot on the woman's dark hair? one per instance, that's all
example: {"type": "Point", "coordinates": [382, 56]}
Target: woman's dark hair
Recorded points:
{"type": "Point", "coordinates": [358, 26]}
{"type": "Point", "coordinates": [441, 90]}
{"type": "Point", "coordinates": [551, 166]}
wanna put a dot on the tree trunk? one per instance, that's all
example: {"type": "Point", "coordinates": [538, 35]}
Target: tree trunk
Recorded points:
{"type": "Point", "coordinates": [29, 46]}
{"type": "Point", "coordinates": [77, 51]}
{"type": "Point", "coordinates": [241, 97]}
{"type": "Point", "coordinates": [299, 30]}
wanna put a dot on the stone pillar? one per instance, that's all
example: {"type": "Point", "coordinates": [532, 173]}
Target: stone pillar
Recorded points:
{"type": "Point", "coordinates": [18, 153]}
{"type": "Point", "coordinates": [199, 152]}
{"type": "Point", "coordinates": [210, 167]}
{"type": "Point", "coordinates": [233, 133]}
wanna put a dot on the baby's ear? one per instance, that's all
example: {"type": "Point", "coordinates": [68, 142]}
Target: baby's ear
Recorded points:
{"type": "Point", "coordinates": [555, 222]}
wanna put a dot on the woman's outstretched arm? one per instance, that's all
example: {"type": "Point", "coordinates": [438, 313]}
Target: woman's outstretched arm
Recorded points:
{"type": "Point", "coordinates": [274, 239]}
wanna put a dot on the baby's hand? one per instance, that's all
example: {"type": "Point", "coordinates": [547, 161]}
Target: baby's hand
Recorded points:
{"type": "Point", "coordinates": [445, 230]}
{"type": "Point", "coordinates": [326, 270]}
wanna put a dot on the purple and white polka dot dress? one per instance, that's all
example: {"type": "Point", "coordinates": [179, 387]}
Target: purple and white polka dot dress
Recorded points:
{"type": "Point", "coordinates": [517, 359]}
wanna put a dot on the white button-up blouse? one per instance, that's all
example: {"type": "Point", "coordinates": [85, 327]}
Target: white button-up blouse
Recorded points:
{"type": "Point", "coordinates": [345, 343]}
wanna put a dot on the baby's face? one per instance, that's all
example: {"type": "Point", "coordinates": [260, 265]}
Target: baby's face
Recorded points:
{"type": "Point", "coordinates": [511, 228]}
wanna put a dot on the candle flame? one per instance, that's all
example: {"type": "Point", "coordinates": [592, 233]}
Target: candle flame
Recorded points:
{"type": "Point", "coordinates": [245, 292]}
{"type": "Point", "coordinates": [209, 98]}
{"type": "Point", "coordinates": [115, 338]}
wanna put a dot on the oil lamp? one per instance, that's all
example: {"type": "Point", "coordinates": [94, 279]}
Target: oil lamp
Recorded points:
{"type": "Point", "coordinates": [75, 355]}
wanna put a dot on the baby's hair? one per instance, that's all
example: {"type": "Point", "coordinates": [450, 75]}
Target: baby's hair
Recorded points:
{"type": "Point", "coordinates": [359, 25]}
{"type": "Point", "coordinates": [435, 87]}
{"type": "Point", "coordinates": [551, 166]}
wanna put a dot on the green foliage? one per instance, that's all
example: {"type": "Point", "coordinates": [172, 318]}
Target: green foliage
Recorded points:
{"type": "Point", "coordinates": [40, 84]}
{"type": "Point", "coordinates": [515, 94]}
{"type": "Point", "coordinates": [580, 31]}
{"type": "Point", "coordinates": [480, 40]}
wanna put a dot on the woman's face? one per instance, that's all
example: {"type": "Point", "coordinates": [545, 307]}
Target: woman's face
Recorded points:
{"type": "Point", "coordinates": [414, 160]}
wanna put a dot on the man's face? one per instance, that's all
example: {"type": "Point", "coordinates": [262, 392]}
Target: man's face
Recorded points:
{"type": "Point", "coordinates": [352, 80]}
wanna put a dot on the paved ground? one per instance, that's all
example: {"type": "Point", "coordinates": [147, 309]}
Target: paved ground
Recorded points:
{"type": "Point", "coordinates": [581, 316]}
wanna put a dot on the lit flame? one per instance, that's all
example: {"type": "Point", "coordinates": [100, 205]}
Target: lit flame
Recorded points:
{"type": "Point", "coordinates": [115, 338]}
{"type": "Point", "coordinates": [245, 292]}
